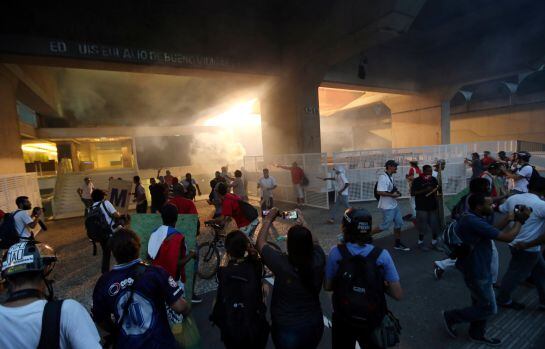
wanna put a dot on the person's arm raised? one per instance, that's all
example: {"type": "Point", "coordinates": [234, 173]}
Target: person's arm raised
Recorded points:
{"type": "Point", "coordinates": [266, 224]}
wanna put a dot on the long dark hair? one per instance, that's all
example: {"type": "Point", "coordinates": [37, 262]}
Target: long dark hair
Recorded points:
{"type": "Point", "coordinates": [301, 255]}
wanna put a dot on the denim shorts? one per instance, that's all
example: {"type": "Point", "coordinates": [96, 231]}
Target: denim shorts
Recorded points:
{"type": "Point", "coordinates": [391, 216]}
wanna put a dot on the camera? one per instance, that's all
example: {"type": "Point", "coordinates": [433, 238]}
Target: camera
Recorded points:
{"type": "Point", "coordinates": [519, 213]}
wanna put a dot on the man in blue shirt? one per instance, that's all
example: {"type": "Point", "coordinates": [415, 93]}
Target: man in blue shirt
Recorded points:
{"type": "Point", "coordinates": [356, 226]}
{"type": "Point", "coordinates": [477, 234]}
{"type": "Point", "coordinates": [136, 295]}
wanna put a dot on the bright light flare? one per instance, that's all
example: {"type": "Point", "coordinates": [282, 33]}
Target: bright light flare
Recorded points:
{"type": "Point", "coordinates": [240, 116]}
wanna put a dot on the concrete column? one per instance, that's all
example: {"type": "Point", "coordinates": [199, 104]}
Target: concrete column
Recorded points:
{"type": "Point", "coordinates": [445, 122]}
{"type": "Point", "coordinates": [11, 155]}
{"type": "Point", "coordinates": [290, 118]}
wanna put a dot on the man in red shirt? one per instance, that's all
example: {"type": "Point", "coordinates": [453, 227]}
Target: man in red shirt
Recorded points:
{"type": "Point", "coordinates": [167, 247]}
{"type": "Point", "coordinates": [297, 175]}
{"type": "Point", "coordinates": [487, 160]}
{"type": "Point", "coordinates": [184, 206]}
{"type": "Point", "coordinates": [230, 209]}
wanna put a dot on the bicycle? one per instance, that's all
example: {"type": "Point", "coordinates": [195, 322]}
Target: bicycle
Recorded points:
{"type": "Point", "coordinates": [208, 252]}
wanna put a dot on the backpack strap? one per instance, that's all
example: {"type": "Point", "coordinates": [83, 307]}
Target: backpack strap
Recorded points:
{"type": "Point", "coordinates": [343, 249]}
{"type": "Point", "coordinates": [374, 254]}
{"type": "Point", "coordinates": [51, 325]}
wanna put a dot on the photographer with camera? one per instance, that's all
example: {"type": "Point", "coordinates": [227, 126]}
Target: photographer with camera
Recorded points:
{"type": "Point", "coordinates": [25, 223]}
{"type": "Point", "coordinates": [391, 214]}
{"type": "Point", "coordinates": [474, 261]}
{"type": "Point", "coordinates": [527, 260]}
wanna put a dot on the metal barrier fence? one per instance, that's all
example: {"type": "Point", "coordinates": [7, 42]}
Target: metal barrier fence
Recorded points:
{"type": "Point", "coordinates": [314, 165]}
{"type": "Point", "coordinates": [20, 184]}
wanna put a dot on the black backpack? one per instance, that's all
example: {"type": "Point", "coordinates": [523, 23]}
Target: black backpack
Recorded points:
{"type": "Point", "coordinates": [375, 191]}
{"type": "Point", "coordinates": [248, 211]}
{"type": "Point", "coordinates": [535, 175]}
{"type": "Point", "coordinates": [358, 289]}
{"type": "Point", "coordinates": [8, 232]}
{"type": "Point", "coordinates": [98, 228]}
{"type": "Point", "coordinates": [239, 310]}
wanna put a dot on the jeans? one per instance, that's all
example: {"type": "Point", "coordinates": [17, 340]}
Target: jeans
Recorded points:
{"type": "Point", "coordinates": [427, 223]}
{"type": "Point", "coordinates": [142, 208]}
{"type": "Point", "coordinates": [307, 336]}
{"type": "Point", "coordinates": [343, 335]}
{"type": "Point", "coordinates": [342, 201]}
{"type": "Point", "coordinates": [106, 253]}
{"type": "Point", "coordinates": [483, 306]}
{"type": "Point", "coordinates": [390, 216]}
{"type": "Point", "coordinates": [523, 264]}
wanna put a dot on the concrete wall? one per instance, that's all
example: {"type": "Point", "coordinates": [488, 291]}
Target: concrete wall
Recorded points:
{"type": "Point", "coordinates": [11, 155]}
{"type": "Point", "coordinates": [416, 128]}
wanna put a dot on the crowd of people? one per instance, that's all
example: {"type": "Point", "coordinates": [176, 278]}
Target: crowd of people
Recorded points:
{"type": "Point", "coordinates": [137, 303]}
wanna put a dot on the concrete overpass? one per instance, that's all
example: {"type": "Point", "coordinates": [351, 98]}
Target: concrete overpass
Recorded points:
{"type": "Point", "coordinates": [424, 50]}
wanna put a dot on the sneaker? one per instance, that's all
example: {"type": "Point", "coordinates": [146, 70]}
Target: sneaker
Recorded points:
{"type": "Point", "coordinates": [437, 272]}
{"type": "Point", "coordinates": [399, 246]}
{"type": "Point", "coordinates": [513, 305]}
{"type": "Point", "coordinates": [435, 246]}
{"type": "Point", "coordinates": [449, 326]}
{"type": "Point", "coordinates": [196, 299]}
{"type": "Point", "coordinates": [492, 342]}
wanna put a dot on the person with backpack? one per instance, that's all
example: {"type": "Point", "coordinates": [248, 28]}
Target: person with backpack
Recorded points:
{"type": "Point", "coordinates": [135, 295]}
{"type": "Point", "coordinates": [167, 248]}
{"type": "Point", "coordinates": [25, 223]}
{"type": "Point", "coordinates": [387, 194]}
{"type": "Point", "coordinates": [191, 187]}
{"type": "Point", "coordinates": [298, 179]}
{"type": "Point", "coordinates": [296, 312]}
{"type": "Point", "coordinates": [356, 265]}
{"type": "Point", "coordinates": [239, 310]}
{"type": "Point", "coordinates": [528, 261]}
{"type": "Point", "coordinates": [424, 189]}
{"type": "Point", "coordinates": [524, 174]}
{"type": "Point", "coordinates": [31, 317]}
{"type": "Point", "coordinates": [100, 223]}
{"type": "Point", "coordinates": [475, 260]}
{"type": "Point", "coordinates": [233, 207]}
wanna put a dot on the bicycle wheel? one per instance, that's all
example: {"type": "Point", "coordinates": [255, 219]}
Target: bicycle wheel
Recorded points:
{"type": "Point", "coordinates": [209, 260]}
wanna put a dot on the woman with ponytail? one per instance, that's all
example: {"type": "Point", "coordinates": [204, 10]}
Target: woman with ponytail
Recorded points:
{"type": "Point", "coordinates": [296, 313]}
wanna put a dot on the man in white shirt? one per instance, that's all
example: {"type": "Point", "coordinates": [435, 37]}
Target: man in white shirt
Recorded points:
{"type": "Point", "coordinates": [24, 224]}
{"type": "Point", "coordinates": [266, 184]}
{"type": "Point", "coordinates": [523, 173]}
{"type": "Point", "coordinates": [391, 214]}
{"type": "Point", "coordinates": [85, 192]}
{"type": "Point", "coordinates": [110, 214]}
{"type": "Point", "coordinates": [526, 258]}
{"type": "Point", "coordinates": [341, 192]}
{"type": "Point", "coordinates": [21, 315]}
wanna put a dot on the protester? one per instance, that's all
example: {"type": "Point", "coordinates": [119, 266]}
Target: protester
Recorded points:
{"type": "Point", "coordinates": [225, 174]}
{"type": "Point", "coordinates": [238, 186]}
{"type": "Point", "coordinates": [239, 310]}
{"type": "Point", "coordinates": [182, 204]}
{"type": "Point", "coordinates": [296, 314]}
{"type": "Point", "coordinates": [230, 209]}
{"type": "Point", "coordinates": [487, 159]}
{"type": "Point", "coordinates": [28, 315]}
{"type": "Point", "coordinates": [522, 174]}
{"type": "Point", "coordinates": [191, 187]}
{"type": "Point", "coordinates": [25, 223]}
{"type": "Point", "coordinates": [266, 184]}
{"type": "Point", "coordinates": [414, 172]}
{"type": "Point", "coordinates": [140, 196]}
{"type": "Point", "coordinates": [168, 177]}
{"type": "Point", "coordinates": [528, 261]}
{"type": "Point", "coordinates": [110, 214]}
{"type": "Point", "coordinates": [85, 191]}
{"type": "Point", "coordinates": [391, 214]}
{"type": "Point", "coordinates": [381, 277]}
{"type": "Point", "coordinates": [167, 248]}
{"type": "Point", "coordinates": [475, 164]}
{"type": "Point", "coordinates": [341, 192]}
{"type": "Point", "coordinates": [502, 158]}
{"type": "Point", "coordinates": [425, 189]}
{"type": "Point", "coordinates": [158, 194]}
{"type": "Point", "coordinates": [498, 186]}
{"type": "Point", "coordinates": [297, 176]}
{"type": "Point", "coordinates": [147, 289]}
{"type": "Point", "coordinates": [476, 186]}
{"type": "Point", "coordinates": [475, 264]}
{"type": "Point", "coordinates": [213, 198]}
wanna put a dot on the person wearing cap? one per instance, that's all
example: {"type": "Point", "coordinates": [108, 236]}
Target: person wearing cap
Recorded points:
{"type": "Point", "coordinates": [357, 241]}
{"type": "Point", "coordinates": [523, 173]}
{"type": "Point", "coordinates": [85, 191]}
{"type": "Point", "coordinates": [341, 191]}
{"type": "Point", "coordinates": [26, 266]}
{"type": "Point", "coordinates": [391, 214]}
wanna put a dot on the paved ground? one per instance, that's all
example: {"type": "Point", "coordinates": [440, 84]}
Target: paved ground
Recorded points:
{"type": "Point", "coordinates": [419, 311]}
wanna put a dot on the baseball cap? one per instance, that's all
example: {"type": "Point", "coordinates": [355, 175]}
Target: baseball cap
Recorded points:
{"type": "Point", "coordinates": [357, 221]}
{"type": "Point", "coordinates": [391, 163]}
